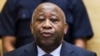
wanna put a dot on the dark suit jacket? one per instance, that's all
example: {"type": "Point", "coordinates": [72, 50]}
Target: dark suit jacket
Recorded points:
{"type": "Point", "coordinates": [66, 50]}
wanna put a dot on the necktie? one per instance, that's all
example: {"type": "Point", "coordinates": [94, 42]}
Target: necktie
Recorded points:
{"type": "Point", "coordinates": [47, 55]}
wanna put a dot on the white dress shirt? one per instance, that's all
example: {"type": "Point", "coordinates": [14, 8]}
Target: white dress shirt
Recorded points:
{"type": "Point", "coordinates": [56, 52]}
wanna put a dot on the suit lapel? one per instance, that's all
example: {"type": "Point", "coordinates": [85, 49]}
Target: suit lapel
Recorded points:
{"type": "Point", "coordinates": [66, 50]}
{"type": "Point", "coordinates": [31, 50]}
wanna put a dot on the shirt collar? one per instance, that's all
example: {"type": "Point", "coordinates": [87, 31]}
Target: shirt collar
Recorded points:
{"type": "Point", "coordinates": [56, 52]}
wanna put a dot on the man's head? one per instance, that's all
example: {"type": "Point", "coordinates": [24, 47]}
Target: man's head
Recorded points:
{"type": "Point", "coordinates": [48, 25]}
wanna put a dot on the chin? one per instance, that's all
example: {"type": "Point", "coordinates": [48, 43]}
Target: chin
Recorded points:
{"type": "Point", "coordinates": [47, 43]}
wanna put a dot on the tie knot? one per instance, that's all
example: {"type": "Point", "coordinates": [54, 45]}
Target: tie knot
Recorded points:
{"type": "Point", "coordinates": [47, 55]}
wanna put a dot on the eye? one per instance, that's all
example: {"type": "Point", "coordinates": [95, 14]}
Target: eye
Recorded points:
{"type": "Point", "coordinates": [54, 19]}
{"type": "Point", "coordinates": [40, 18]}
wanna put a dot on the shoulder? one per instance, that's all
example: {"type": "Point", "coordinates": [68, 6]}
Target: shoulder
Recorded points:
{"type": "Point", "coordinates": [20, 51]}
{"type": "Point", "coordinates": [79, 51]}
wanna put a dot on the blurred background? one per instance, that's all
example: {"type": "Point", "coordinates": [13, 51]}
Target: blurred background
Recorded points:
{"type": "Point", "coordinates": [2, 2]}
{"type": "Point", "coordinates": [93, 9]}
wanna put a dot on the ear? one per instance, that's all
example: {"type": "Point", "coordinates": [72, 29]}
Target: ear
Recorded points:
{"type": "Point", "coordinates": [66, 28]}
{"type": "Point", "coordinates": [31, 27]}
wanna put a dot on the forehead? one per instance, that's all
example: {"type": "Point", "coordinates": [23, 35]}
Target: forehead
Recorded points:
{"type": "Point", "coordinates": [52, 8]}
{"type": "Point", "coordinates": [47, 8]}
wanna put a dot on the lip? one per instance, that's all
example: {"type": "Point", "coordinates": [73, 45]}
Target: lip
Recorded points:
{"type": "Point", "coordinates": [46, 34]}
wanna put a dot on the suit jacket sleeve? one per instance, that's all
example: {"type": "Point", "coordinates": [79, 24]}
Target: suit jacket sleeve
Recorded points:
{"type": "Point", "coordinates": [81, 26]}
{"type": "Point", "coordinates": [7, 20]}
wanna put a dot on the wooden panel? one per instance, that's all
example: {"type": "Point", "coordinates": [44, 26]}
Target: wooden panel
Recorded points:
{"type": "Point", "coordinates": [2, 2]}
{"type": "Point", "coordinates": [1, 52]}
{"type": "Point", "coordinates": [93, 8]}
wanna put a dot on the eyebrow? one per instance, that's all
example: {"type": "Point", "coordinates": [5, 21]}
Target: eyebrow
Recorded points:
{"type": "Point", "coordinates": [52, 13]}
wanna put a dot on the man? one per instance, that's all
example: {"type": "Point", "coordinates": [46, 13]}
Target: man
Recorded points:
{"type": "Point", "coordinates": [49, 26]}
{"type": "Point", "coordinates": [16, 17]}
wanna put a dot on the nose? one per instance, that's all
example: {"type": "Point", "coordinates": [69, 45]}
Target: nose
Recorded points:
{"type": "Point", "coordinates": [47, 24]}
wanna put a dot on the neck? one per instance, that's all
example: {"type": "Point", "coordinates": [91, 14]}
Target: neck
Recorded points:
{"type": "Point", "coordinates": [49, 49]}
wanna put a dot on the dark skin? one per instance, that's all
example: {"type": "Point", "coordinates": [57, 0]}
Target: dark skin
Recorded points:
{"type": "Point", "coordinates": [48, 26]}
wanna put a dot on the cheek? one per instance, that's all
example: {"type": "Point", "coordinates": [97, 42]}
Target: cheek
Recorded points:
{"type": "Point", "coordinates": [36, 32]}
{"type": "Point", "coordinates": [36, 28]}
{"type": "Point", "coordinates": [59, 28]}
{"type": "Point", "coordinates": [60, 31]}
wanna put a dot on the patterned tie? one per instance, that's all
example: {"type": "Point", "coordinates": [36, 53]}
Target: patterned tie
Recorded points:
{"type": "Point", "coordinates": [47, 55]}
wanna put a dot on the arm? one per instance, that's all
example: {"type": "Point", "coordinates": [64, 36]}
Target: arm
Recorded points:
{"type": "Point", "coordinates": [7, 26]}
{"type": "Point", "coordinates": [8, 43]}
{"type": "Point", "coordinates": [82, 30]}
{"type": "Point", "coordinates": [81, 42]}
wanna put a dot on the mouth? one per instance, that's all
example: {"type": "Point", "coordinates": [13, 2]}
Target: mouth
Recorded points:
{"type": "Point", "coordinates": [46, 33]}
